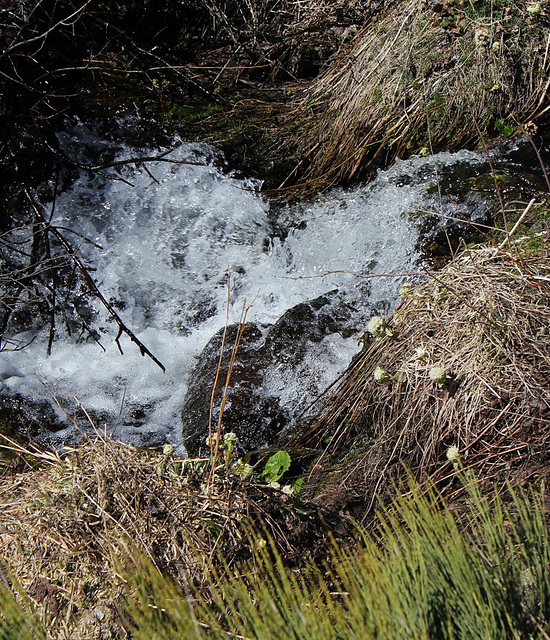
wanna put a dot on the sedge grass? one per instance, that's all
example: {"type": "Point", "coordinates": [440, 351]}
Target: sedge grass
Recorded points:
{"type": "Point", "coordinates": [425, 573]}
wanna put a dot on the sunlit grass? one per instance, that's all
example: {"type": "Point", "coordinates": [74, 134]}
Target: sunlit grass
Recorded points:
{"type": "Point", "coordinates": [425, 573]}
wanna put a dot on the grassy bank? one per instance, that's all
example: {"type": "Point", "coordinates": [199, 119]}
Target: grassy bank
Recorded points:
{"type": "Point", "coordinates": [69, 524]}
{"type": "Point", "coordinates": [301, 94]}
{"type": "Point", "coordinates": [464, 362]}
{"type": "Point", "coordinates": [424, 571]}
{"type": "Point", "coordinates": [424, 77]}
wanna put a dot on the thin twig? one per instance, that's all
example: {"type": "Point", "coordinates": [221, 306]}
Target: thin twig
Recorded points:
{"type": "Point", "coordinates": [122, 327]}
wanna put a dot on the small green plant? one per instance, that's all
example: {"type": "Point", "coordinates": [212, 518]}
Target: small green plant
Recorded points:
{"type": "Point", "coordinates": [276, 466]}
{"type": "Point", "coordinates": [503, 128]}
{"type": "Point", "coordinates": [242, 468]}
{"type": "Point", "coordinates": [406, 289]}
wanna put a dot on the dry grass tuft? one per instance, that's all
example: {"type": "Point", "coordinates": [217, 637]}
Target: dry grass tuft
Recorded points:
{"type": "Point", "coordinates": [69, 523]}
{"type": "Point", "coordinates": [425, 76]}
{"type": "Point", "coordinates": [485, 318]}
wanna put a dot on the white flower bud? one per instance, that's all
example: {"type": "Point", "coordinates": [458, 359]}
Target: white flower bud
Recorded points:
{"type": "Point", "coordinates": [377, 325]}
{"type": "Point", "coordinates": [533, 8]}
{"type": "Point", "coordinates": [229, 439]}
{"type": "Point", "coordinates": [453, 454]}
{"type": "Point", "coordinates": [420, 353]}
{"type": "Point", "coordinates": [382, 376]}
{"type": "Point", "coordinates": [438, 375]}
{"type": "Point", "coordinates": [481, 37]}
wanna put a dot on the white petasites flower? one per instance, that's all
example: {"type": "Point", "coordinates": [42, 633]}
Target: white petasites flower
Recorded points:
{"type": "Point", "coordinates": [420, 353]}
{"type": "Point", "coordinates": [533, 8]}
{"type": "Point", "coordinates": [453, 454]}
{"type": "Point", "coordinates": [211, 440]}
{"type": "Point", "coordinates": [481, 37]}
{"type": "Point", "coordinates": [438, 375]}
{"type": "Point", "coordinates": [168, 450]}
{"type": "Point", "coordinates": [530, 128]}
{"type": "Point", "coordinates": [229, 439]}
{"type": "Point", "coordinates": [382, 376]}
{"type": "Point", "coordinates": [377, 325]}
{"type": "Point", "coordinates": [288, 490]}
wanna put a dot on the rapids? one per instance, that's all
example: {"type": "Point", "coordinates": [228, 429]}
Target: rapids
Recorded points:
{"type": "Point", "coordinates": [177, 240]}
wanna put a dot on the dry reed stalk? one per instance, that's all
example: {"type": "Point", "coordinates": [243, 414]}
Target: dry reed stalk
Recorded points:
{"type": "Point", "coordinates": [214, 448]}
{"type": "Point", "coordinates": [214, 442]}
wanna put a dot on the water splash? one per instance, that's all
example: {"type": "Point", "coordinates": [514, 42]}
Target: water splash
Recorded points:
{"type": "Point", "coordinates": [172, 234]}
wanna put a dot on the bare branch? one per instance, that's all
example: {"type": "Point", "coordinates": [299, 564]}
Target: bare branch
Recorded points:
{"type": "Point", "coordinates": [71, 251]}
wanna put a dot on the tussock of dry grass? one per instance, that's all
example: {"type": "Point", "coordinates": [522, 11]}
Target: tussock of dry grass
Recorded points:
{"type": "Point", "coordinates": [486, 319]}
{"type": "Point", "coordinates": [425, 76]}
{"type": "Point", "coordinates": [66, 527]}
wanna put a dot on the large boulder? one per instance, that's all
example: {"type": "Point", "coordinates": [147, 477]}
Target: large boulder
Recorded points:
{"type": "Point", "coordinates": [257, 408]}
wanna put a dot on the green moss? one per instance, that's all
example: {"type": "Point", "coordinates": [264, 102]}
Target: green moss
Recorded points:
{"type": "Point", "coordinates": [246, 126]}
{"type": "Point", "coordinates": [191, 114]}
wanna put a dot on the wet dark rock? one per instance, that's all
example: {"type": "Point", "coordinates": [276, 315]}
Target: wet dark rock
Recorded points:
{"type": "Point", "coordinates": [465, 201]}
{"type": "Point", "coordinates": [27, 419]}
{"type": "Point", "coordinates": [247, 412]}
{"type": "Point", "coordinates": [254, 409]}
{"type": "Point", "coordinates": [65, 421]}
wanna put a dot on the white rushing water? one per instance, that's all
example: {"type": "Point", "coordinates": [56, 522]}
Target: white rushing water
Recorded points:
{"type": "Point", "coordinates": [170, 235]}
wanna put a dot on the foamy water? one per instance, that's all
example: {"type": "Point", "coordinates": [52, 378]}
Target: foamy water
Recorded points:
{"type": "Point", "coordinates": [171, 236]}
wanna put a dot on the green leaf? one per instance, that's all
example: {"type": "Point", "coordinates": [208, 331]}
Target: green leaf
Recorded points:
{"type": "Point", "coordinates": [298, 485]}
{"type": "Point", "coordinates": [502, 127]}
{"type": "Point", "coordinates": [277, 465]}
